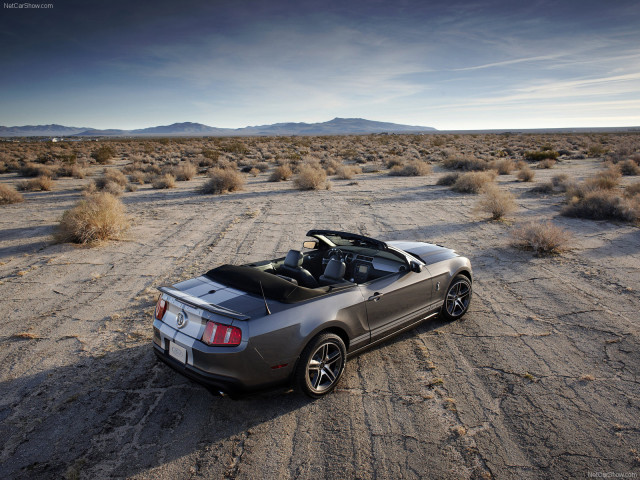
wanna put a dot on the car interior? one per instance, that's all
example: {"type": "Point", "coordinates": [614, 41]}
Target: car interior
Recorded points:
{"type": "Point", "coordinates": [335, 266]}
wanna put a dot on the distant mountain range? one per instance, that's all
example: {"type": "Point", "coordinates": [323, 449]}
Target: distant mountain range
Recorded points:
{"type": "Point", "coordinates": [337, 126]}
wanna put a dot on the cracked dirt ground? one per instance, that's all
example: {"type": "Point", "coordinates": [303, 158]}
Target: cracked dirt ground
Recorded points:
{"type": "Point", "coordinates": [539, 379]}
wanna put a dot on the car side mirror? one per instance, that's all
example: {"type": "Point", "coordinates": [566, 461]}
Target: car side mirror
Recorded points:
{"type": "Point", "coordinates": [310, 244]}
{"type": "Point", "coordinates": [416, 267]}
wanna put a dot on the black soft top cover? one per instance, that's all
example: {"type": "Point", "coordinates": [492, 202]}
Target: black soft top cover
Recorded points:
{"type": "Point", "coordinates": [248, 279]}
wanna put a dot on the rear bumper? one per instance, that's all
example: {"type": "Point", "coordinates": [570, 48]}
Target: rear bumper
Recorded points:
{"type": "Point", "coordinates": [228, 385]}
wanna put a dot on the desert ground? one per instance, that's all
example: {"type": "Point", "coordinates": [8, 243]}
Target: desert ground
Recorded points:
{"type": "Point", "coordinates": [540, 378]}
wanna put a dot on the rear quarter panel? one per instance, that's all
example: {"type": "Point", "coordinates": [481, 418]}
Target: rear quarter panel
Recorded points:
{"type": "Point", "coordinates": [280, 338]}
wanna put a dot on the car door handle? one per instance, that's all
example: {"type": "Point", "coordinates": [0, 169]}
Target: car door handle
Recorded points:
{"type": "Point", "coordinates": [375, 297]}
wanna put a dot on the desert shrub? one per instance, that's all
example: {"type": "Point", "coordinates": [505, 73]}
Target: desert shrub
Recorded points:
{"type": "Point", "coordinates": [559, 180]}
{"type": "Point", "coordinates": [526, 174]}
{"type": "Point", "coordinates": [38, 184]}
{"type": "Point", "coordinates": [310, 178]}
{"type": "Point", "coordinates": [9, 195]}
{"type": "Point", "coordinates": [504, 166]}
{"type": "Point", "coordinates": [75, 171]}
{"type": "Point", "coordinates": [394, 162]}
{"type": "Point", "coordinates": [632, 190]}
{"type": "Point", "coordinates": [605, 180]}
{"type": "Point", "coordinates": [543, 188]}
{"type": "Point", "coordinates": [541, 237]}
{"type": "Point", "coordinates": [471, 182]}
{"type": "Point", "coordinates": [211, 155]}
{"type": "Point", "coordinates": [411, 169]}
{"type": "Point", "coordinates": [465, 163]}
{"type": "Point", "coordinates": [138, 177]}
{"type": "Point", "coordinates": [262, 166]}
{"type": "Point", "coordinates": [184, 172]}
{"type": "Point", "coordinates": [100, 216]}
{"type": "Point", "coordinates": [31, 169]}
{"type": "Point", "coordinates": [347, 172]}
{"type": "Point", "coordinates": [448, 179]}
{"type": "Point", "coordinates": [331, 166]}
{"type": "Point", "coordinates": [165, 181]}
{"type": "Point", "coordinates": [541, 155]}
{"type": "Point", "coordinates": [496, 202]}
{"type": "Point", "coordinates": [131, 187]}
{"type": "Point", "coordinates": [629, 167]}
{"type": "Point", "coordinates": [281, 173]}
{"type": "Point", "coordinates": [110, 176]}
{"type": "Point", "coordinates": [223, 180]}
{"type": "Point", "coordinates": [546, 163]}
{"type": "Point", "coordinates": [103, 154]}
{"type": "Point", "coordinates": [602, 205]}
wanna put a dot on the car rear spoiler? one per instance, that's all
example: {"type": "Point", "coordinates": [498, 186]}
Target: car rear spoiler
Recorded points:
{"type": "Point", "coordinates": [198, 303]}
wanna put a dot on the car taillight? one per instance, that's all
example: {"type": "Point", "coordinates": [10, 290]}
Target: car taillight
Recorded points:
{"type": "Point", "coordinates": [221, 335]}
{"type": "Point", "coordinates": [161, 307]}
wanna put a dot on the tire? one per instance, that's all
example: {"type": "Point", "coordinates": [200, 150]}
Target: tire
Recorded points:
{"type": "Point", "coordinates": [457, 299]}
{"type": "Point", "coordinates": [321, 365]}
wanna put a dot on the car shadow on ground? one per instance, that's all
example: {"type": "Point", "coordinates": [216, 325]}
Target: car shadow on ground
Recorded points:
{"type": "Point", "coordinates": [124, 411]}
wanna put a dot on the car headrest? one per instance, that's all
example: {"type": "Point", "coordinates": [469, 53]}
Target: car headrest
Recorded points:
{"type": "Point", "coordinates": [335, 269]}
{"type": "Point", "coordinates": [293, 258]}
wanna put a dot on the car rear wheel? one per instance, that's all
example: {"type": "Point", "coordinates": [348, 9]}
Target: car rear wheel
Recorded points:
{"type": "Point", "coordinates": [457, 299]}
{"type": "Point", "coordinates": [321, 365]}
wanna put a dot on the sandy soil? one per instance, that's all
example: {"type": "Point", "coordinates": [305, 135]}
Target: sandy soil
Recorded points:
{"type": "Point", "coordinates": [540, 379]}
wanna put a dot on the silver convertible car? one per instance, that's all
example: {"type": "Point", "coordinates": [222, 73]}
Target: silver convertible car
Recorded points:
{"type": "Point", "coordinates": [297, 319]}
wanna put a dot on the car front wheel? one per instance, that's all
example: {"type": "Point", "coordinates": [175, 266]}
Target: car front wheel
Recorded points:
{"type": "Point", "coordinates": [457, 299]}
{"type": "Point", "coordinates": [321, 365]}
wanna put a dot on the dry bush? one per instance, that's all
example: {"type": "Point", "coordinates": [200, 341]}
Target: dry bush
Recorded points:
{"type": "Point", "coordinates": [103, 154]}
{"type": "Point", "coordinates": [541, 237]}
{"type": "Point", "coordinates": [632, 190]}
{"type": "Point", "coordinates": [9, 195]}
{"type": "Point", "coordinates": [602, 205]}
{"type": "Point", "coordinates": [31, 169]}
{"type": "Point", "coordinates": [138, 177]}
{"type": "Point", "coordinates": [78, 172]}
{"type": "Point", "coordinates": [411, 169]}
{"type": "Point", "coordinates": [262, 166]}
{"type": "Point", "coordinates": [347, 172]}
{"type": "Point", "coordinates": [448, 179]}
{"type": "Point", "coordinates": [526, 174]}
{"type": "Point", "coordinates": [111, 176]}
{"type": "Point", "coordinates": [394, 162]}
{"type": "Point", "coordinates": [546, 164]}
{"type": "Point", "coordinates": [98, 217]}
{"type": "Point", "coordinates": [496, 202]}
{"type": "Point", "coordinates": [223, 180]}
{"type": "Point", "coordinates": [331, 166]}
{"type": "Point", "coordinates": [471, 182]}
{"type": "Point", "coordinates": [629, 167]}
{"type": "Point", "coordinates": [504, 166]}
{"type": "Point", "coordinates": [543, 188]}
{"type": "Point", "coordinates": [541, 155]}
{"type": "Point", "coordinates": [310, 178]}
{"type": "Point", "coordinates": [165, 181]}
{"type": "Point", "coordinates": [281, 173]}
{"type": "Point", "coordinates": [605, 180]}
{"type": "Point", "coordinates": [42, 183]}
{"type": "Point", "coordinates": [561, 181]}
{"type": "Point", "coordinates": [465, 163]}
{"type": "Point", "coordinates": [185, 172]}
{"type": "Point", "coordinates": [69, 170]}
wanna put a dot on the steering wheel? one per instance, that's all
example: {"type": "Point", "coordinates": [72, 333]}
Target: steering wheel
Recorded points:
{"type": "Point", "coordinates": [334, 252]}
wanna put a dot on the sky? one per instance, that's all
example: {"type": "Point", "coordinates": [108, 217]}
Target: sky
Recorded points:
{"type": "Point", "coordinates": [452, 65]}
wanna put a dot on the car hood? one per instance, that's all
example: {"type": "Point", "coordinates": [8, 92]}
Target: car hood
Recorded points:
{"type": "Point", "coordinates": [427, 252]}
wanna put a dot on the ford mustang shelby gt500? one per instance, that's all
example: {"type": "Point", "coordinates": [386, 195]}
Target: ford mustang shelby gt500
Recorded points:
{"type": "Point", "coordinates": [296, 319]}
